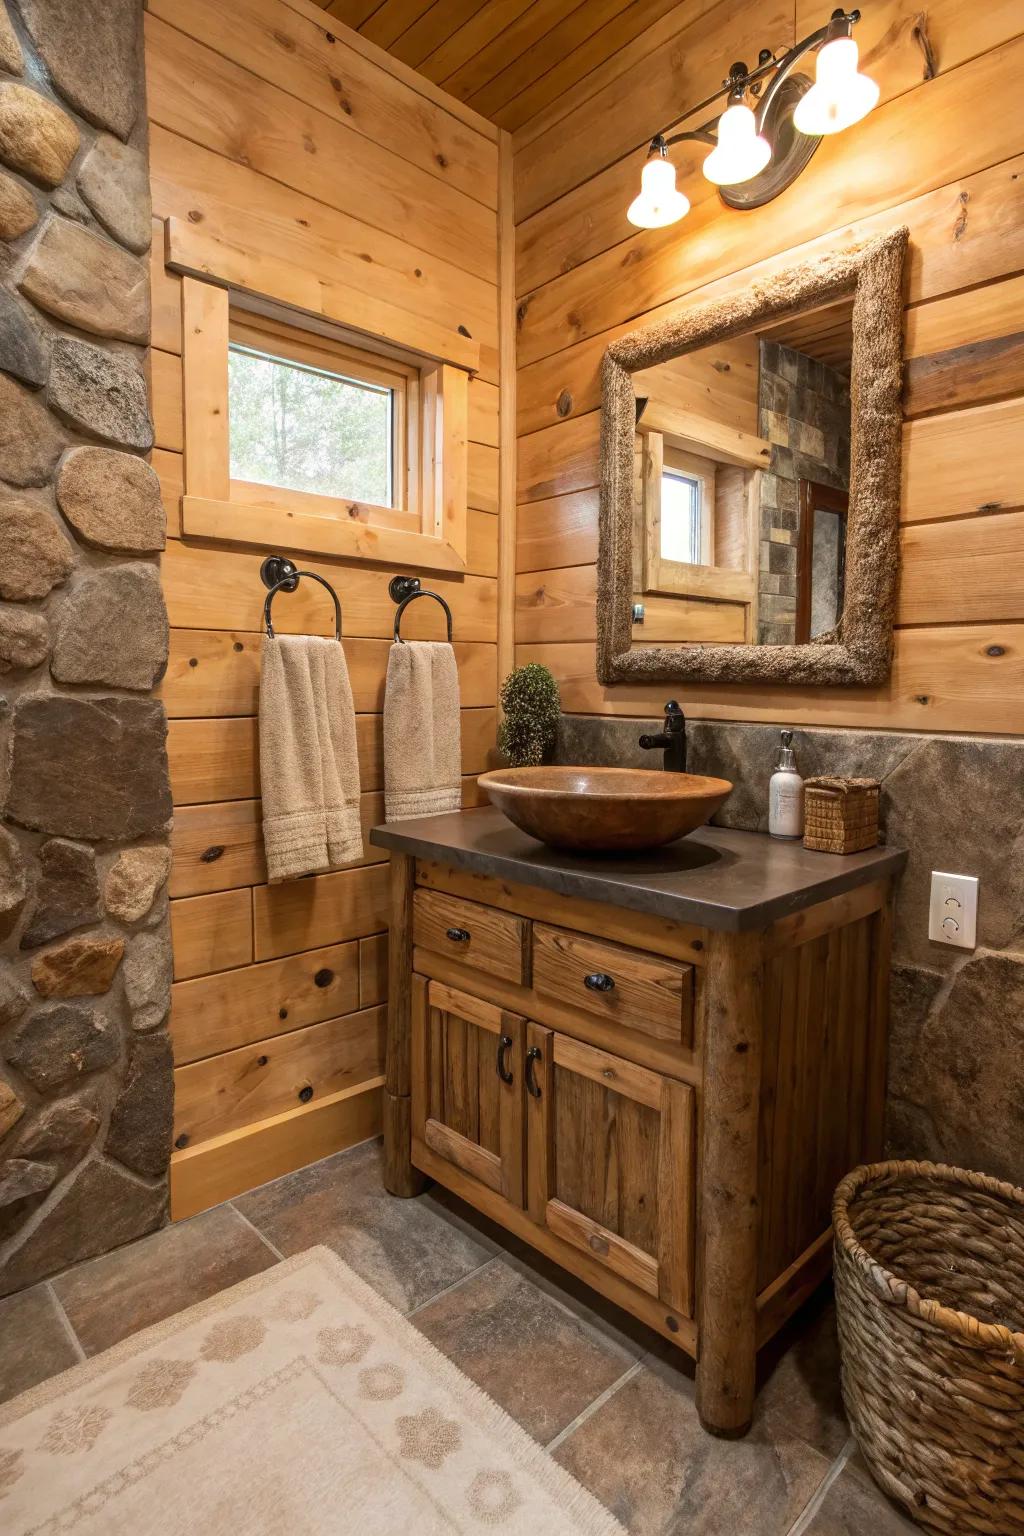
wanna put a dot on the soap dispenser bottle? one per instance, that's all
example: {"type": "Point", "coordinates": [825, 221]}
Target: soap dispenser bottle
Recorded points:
{"type": "Point", "coordinates": [786, 794]}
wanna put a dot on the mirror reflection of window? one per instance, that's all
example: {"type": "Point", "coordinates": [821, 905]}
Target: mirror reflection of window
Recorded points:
{"type": "Point", "coordinates": [729, 439]}
{"type": "Point", "coordinates": [681, 506]}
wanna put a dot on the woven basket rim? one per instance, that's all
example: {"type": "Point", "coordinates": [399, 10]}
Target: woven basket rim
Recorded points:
{"type": "Point", "coordinates": [892, 1287]}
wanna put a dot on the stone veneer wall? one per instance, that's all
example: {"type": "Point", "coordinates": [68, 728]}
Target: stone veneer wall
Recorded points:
{"type": "Point", "coordinates": [956, 1057]}
{"type": "Point", "coordinates": [85, 968]}
{"type": "Point", "coordinates": [804, 412]}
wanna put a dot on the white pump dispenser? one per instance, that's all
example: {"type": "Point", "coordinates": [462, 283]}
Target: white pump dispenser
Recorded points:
{"type": "Point", "coordinates": [786, 794]}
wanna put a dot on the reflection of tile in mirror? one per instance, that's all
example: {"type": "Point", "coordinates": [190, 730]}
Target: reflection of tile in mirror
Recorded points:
{"type": "Point", "coordinates": [744, 464]}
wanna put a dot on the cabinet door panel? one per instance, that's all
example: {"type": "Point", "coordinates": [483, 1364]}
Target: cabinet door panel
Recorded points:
{"type": "Point", "coordinates": [467, 1084]}
{"type": "Point", "coordinates": [610, 1166]}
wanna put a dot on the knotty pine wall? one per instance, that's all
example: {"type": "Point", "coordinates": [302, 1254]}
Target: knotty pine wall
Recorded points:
{"type": "Point", "coordinates": [271, 133]}
{"type": "Point", "coordinates": [939, 154]}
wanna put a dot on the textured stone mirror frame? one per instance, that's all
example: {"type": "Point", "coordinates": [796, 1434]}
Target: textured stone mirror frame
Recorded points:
{"type": "Point", "coordinates": [859, 650]}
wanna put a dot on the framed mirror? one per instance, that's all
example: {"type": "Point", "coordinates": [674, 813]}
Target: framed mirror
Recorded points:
{"type": "Point", "coordinates": [750, 482]}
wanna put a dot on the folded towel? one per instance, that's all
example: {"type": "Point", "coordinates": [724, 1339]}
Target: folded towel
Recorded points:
{"type": "Point", "coordinates": [422, 737]}
{"type": "Point", "coordinates": [309, 766]}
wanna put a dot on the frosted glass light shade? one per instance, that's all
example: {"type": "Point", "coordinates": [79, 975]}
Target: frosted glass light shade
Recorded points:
{"type": "Point", "coordinates": [658, 202]}
{"type": "Point", "coordinates": [840, 95]}
{"type": "Point", "coordinates": [741, 152]}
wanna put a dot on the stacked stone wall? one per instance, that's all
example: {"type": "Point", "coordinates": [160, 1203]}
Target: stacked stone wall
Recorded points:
{"type": "Point", "coordinates": [86, 1094]}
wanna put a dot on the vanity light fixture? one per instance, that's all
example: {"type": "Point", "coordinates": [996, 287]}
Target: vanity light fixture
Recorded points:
{"type": "Point", "coordinates": [756, 152]}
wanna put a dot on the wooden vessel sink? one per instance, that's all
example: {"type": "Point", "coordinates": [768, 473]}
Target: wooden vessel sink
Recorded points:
{"type": "Point", "coordinates": [604, 810]}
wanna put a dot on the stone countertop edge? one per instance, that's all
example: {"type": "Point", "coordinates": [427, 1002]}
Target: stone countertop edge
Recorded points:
{"type": "Point", "coordinates": [717, 877]}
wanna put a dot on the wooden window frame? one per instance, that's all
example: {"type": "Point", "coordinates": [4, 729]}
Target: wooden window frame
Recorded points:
{"type": "Point", "coordinates": [662, 574]}
{"type": "Point", "coordinates": [429, 534]}
{"type": "Point", "coordinates": [672, 577]}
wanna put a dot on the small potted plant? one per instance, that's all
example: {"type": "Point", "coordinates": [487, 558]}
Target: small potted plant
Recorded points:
{"type": "Point", "coordinates": [531, 707]}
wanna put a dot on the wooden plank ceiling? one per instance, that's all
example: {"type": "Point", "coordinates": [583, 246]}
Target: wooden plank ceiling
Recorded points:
{"type": "Point", "coordinates": [508, 59]}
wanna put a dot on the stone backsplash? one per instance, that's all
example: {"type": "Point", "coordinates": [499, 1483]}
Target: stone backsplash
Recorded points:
{"type": "Point", "coordinates": [956, 1065]}
{"type": "Point", "coordinates": [85, 965]}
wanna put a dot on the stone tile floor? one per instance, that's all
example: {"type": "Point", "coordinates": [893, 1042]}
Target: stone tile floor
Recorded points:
{"type": "Point", "coordinates": [611, 1400]}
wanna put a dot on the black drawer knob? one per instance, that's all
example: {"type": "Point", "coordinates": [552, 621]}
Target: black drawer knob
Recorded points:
{"type": "Point", "coordinates": [459, 935]}
{"type": "Point", "coordinates": [598, 981]}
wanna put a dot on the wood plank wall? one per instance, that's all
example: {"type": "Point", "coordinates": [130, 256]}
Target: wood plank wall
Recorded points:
{"type": "Point", "coordinates": [933, 155]}
{"type": "Point", "coordinates": [288, 140]}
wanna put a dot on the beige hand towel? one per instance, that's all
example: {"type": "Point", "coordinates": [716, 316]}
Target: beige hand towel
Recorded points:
{"type": "Point", "coordinates": [422, 735]}
{"type": "Point", "coordinates": [309, 766]}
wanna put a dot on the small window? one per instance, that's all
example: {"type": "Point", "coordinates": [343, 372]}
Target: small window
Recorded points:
{"type": "Point", "coordinates": [681, 516]}
{"type": "Point", "coordinates": [311, 416]}
{"type": "Point", "coordinates": [310, 430]}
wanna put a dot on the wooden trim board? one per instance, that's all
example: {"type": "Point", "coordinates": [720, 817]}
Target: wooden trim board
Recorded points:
{"type": "Point", "coordinates": [229, 1165]}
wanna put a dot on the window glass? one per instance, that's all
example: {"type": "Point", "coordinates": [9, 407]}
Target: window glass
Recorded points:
{"type": "Point", "coordinates": [306, 429]}
{"type": "Point", "coordinates": [680, 518]}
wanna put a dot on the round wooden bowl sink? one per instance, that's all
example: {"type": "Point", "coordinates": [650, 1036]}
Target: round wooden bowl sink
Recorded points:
{"type": "Point", "coordinates": [604, 810]}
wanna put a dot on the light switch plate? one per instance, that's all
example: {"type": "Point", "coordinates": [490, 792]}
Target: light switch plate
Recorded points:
{"type": "Point", "coordinates": [953, 909]}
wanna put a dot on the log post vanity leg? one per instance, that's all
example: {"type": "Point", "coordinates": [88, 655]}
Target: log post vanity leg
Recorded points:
{"type": "Point", "coordinates": [400, 1177]}
{"type": "Point", "coordinates": [653, 1072]}
{"type": "Point", "coordinates": [727, 1265]}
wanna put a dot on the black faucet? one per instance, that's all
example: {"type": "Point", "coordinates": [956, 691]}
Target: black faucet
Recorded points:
{"type": "Point", "coordinates": [672, 738]}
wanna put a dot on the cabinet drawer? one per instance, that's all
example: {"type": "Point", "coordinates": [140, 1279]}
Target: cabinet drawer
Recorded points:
{"type": "Point", "coordinates": [488, 940]}
{"type": "Point", "coordinates": [642, 992]}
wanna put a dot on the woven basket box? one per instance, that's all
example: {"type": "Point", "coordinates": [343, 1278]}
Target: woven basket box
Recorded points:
{"type": "Point", "coordinates": [840, 815]}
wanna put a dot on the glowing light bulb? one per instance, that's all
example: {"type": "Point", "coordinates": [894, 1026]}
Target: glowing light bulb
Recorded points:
{"type": "Point", "coordinates": [741, 152]}
{"type": "Point", "coordinates": [840, 95]}
{"type": "Point", "coordinates": [658, 202]}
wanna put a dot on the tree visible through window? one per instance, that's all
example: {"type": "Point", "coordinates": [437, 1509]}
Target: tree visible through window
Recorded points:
{"type": "Point", "coordinates": [306, 429]}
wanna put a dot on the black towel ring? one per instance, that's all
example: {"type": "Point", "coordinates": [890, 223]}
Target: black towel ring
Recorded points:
{"type": "Point", "coordinates": [280, 575]}
{"type": "Point", "coordinates": [405, 590]}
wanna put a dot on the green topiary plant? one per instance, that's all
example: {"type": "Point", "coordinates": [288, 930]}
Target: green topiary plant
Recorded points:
{"type": "Point", "coordinates": [529, 699]}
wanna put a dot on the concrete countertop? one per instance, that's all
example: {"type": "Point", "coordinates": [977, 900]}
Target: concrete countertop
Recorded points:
{"type": "Point", "coordinates": [716, 878]}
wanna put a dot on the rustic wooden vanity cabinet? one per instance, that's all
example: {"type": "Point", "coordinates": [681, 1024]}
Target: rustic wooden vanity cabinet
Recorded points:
{"type": "Point", "coordinates": [654, 1071]}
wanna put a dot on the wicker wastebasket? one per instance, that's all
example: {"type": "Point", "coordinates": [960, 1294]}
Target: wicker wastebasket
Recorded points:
{"type": "Point", "coordinates": [929, 1271]}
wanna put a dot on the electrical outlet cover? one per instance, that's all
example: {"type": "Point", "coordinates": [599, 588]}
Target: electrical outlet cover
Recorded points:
{"type": "Point", "coordinates": [953, 909]}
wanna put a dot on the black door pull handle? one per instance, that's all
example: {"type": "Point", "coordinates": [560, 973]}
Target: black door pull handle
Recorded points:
{"type": "Point", "coordinates": [598, 981]}
{"type": "Point", "coordinates": [532, 1086]}
{"type": "Point", "coordinates": [504, 1046]}
{"type": "Point", "coordinates": [459, 935]}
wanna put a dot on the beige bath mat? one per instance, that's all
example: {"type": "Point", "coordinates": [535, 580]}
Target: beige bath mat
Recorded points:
{"type": "Point", "coordinates": [296, 1403]}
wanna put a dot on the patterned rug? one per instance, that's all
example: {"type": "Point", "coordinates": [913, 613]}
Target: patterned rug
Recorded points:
{"type": "Point", "coordinates": [297, 1402]}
